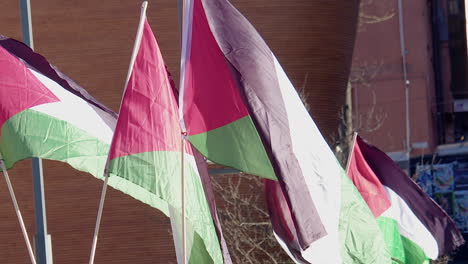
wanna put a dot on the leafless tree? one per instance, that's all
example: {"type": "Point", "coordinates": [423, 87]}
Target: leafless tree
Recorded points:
{"type": "Point", "coordinates": [367, 17]}
{"type": "Point", "coordinates": [245, 220]}
{"type": "Point", "coordinates": [361, 75]}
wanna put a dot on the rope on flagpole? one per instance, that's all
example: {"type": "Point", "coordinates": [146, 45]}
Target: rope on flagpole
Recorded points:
{"type": "Point", "coordinates": [184, 235]}
{"type": "Point", "coordinates": [17, 210]}
{"type": "Point", "coordinates": [139, 34]}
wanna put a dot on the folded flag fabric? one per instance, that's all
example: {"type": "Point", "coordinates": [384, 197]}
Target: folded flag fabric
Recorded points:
{"type": "Point", "coordinates": [239, 109]}
{"type": "Point", "coordinates": [146, 150]}
{"type": "Point", "coordinates": [45, 114]}
{"type": "Point", "coordinates": [415, 227]}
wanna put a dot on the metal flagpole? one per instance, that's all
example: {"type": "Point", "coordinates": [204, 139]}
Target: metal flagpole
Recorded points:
{"type": "Point", "coordinates": [181, 15]}
{"type": "Point", "coordinates": [42, 240]}
{"type": "Point", "coordinates": [26, 25]}
{"type": "Point", "coordinates": [406, 83]}
{"type": "Point", "coordinates": [184, 235]}
{"type": "Point", "coordinates": [183, 23]}
{"type": "Point", "coordinates": [17, 210]}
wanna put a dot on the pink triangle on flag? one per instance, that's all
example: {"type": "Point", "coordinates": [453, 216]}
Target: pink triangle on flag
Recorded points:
{"type": "Point", "coordinates": [148, 115]}
{"type": "Point", "coordinates": [20, 89]}
{"type": "Point", "coordinates": [367, 182]}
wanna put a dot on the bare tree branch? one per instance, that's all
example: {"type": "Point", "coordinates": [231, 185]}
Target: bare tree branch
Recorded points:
{"type": "Point", "coordinates": [245, 220]}
{"type": "Point", "coordinates": [367, 17]}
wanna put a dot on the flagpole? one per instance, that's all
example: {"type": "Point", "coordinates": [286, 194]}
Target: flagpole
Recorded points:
{"type": "Point", "coordinates": [99, 216]}
{"type": "Point", "coordinates": [136, 46]}
{"type": "Point", "coordinates": [17, 210]}
{"type": "Point", "coordinates": [350, 154]}
{"type": "Point", "coordinates": [184, 17]}
{"type": "Point", "coordinates": [184, 54]}
{"type": "Point", "coordinates": [26, 25]}
{"type": "Point", "coordinates": [42, 239]}
{"type": "Point", "coordinates": [184, 235]}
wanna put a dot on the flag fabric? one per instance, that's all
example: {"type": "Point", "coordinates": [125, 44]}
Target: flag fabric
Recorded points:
{"type": "Point", "coordinates": [44, 114]}
{"type": "Point", "coordinates": [239, 109]}
{"type": "Point", "coordinates": [146, 150]}
{"type": "Point", "coordinates": [415, 227]}
{"type": "Point", "coordinates": [210, 196]}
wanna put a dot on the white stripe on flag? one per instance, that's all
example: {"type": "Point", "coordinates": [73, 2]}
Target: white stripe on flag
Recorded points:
{"type": "Point", "coordinates": [76, 111]}
{"type": "Point", "coordinates": [409, 225]}
{"type": "Point", "coordinates": [323, 173]}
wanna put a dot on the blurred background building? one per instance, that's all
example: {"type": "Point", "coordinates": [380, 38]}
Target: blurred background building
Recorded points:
{"type": "Point", "coordinates": [419, 46]}
{"type": "Point", "coordinates": [408, 93]}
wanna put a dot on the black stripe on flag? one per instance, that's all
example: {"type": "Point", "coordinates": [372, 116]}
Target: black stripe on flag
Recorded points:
{"type": "Point", "coordinates": [249, 55]}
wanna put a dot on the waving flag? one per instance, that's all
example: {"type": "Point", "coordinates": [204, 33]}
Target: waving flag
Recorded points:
{"type": "Point", "coordinates": [45, 114]}
{"type": "Point", "coordinates": [415, 227]}
{"type": "Point", "coordinates": [146, 150]}
{"type": "Point", "coordinates": [239, 109]}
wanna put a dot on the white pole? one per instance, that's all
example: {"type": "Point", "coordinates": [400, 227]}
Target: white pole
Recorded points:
{"type": "Point", "coordinates": [17, 210]}
{"type": "Point", "coordinates": [136, 47]}
{"type": "Point", "coordinates": [184, 236]}
{"type": "Point", "coordinates": [98, 219]}
{"type": "Point", "coordinates": [187, 14]}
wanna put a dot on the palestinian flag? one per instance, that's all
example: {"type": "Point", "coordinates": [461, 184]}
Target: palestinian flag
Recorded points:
{"type": "Point", "coordinates": [415, 227]}
{"type": "Point", "coordinates": [239, 109]}
{"type": "Point", "coordinates": [146, 150]}
{"type": "Point", "coordinates": [45, 114]}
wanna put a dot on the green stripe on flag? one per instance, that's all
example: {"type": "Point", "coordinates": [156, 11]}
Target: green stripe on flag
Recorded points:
{"type": "Point", "coordinates": [158, 174]}
{"type": "Point", "coordinates": [54, 139]}
{"type": "Point", "coordinates": [389, 228]}
{"type": "Point", "coordinates": [402, 249]}
{"type": "Point", "coordinates": [198, 254]}
{"type": "Point", "coordinates": [34, 134]}
{"type": "Point", "coordinates": [413, 253]}
{"type": "Point", "coordinates": [358, 228]}
{"type": "Point", "coordinates": [245, 152]}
